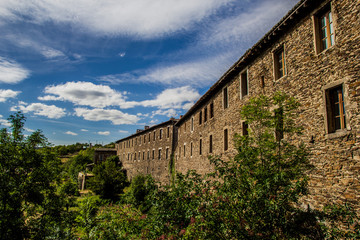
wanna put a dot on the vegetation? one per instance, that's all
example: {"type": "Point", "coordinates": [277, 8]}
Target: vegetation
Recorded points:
{"type": "Point", "coordinates": [255, 195]}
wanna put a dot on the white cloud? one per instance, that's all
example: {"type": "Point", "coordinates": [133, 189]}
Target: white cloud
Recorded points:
{"type": "Point", "coordinates": [115, 116]}
{"type": "Point", "coordinates": [40, 109]}
{"type": "Point", "coordinates": [137, 17]}
{"type": "Point", "coordinates": [105, 133]}
{"type": "Point", "coordinates": [4, 122]}
{"type": "Point", "coordinates": [85, 94]}
{"type": "Point", "coordinates": [173, 98]}
{"type": "Point", "coordinates": [12, 72]}
{"type": "Point", "coordinates": [71, 133]}
{"type": "Point", "coordinates": [5, 94]}
{"type": "Point", "coordinates": [122, 54]}
{"type": "Point", "coordinates": [168, 113]}
{"type": "Point", "coordinates": [123, 131]}
{"type": "Point", "coordinates": [29, 130]}
{"type": "Point", "coordinates": [84, 130]}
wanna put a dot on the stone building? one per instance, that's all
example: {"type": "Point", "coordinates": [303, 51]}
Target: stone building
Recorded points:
{"type": "Point", "coordinates": [312, 54]}
{"type": "Point", "coordinates": [101, 154]}
{"type": "Point", "coordinates": [149, 151]}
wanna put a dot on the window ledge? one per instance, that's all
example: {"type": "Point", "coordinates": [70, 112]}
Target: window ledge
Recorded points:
{"type": "Point", "coordinates": [338, 134]}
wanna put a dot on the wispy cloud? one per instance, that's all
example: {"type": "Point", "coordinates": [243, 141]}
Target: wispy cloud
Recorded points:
{"type": "Point", "coordinates": [123, 131]}
{"type": "Point", "coordinates": [84, 130]}
{"type": "Point", "coordinates": [4, 122]}
{"type": "Point", "coordinates": [40, 109]}
{"type": "Point", "coordinates": [12, 72]}
{"type": "Point", "coordinates": [7, 93]}
{"type": "Point", "coordinates": [197, 73]}
{"type": "Point", "coordinates": [153, 19]}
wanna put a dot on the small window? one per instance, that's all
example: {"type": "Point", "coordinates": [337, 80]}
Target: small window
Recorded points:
{"type": "Point", "coordinates": [245, 129]}
{"type": "Point", "coordinates": [279, 63]}
{"type": "Point", "coordinates": [262, 81]}
{"type": "Point", "coordinates": [154, 138]}
{"type": "Point", "coordinates": [191, 149]}
{"type": "Point", "coordinates": [184, 150]}
{"type": "Point", "coordinates": [153, 154]}
{"type": "Point", "coordinates": [335, 109]}
{"type": "Point", "coordinates": [200, 117]}
{"type": "Point", "coordinates": [160, 134]}
{"type": "Point", "coordinates": [134, 156]}
{"type": "Point", "coordinates": [210, 144]}
{"type": "Point", "coordinates": [211, 110]}
{"type": "Point", "coordinates": [167, 153]}
{"type": "Point", "coordinates": [225, 98]}
{"type": "Point", "coordinates": [139, 156]}
{"type": "Point", "coordinates": [226, 137]}
{"type": "Point", "coordinates": [148, 155]}
{"type": "Point", "coordinates": [200, 146]}
{"type": "Point", "coordinates": [205, 114]}
{"type": "Point", "coordinates": [159, 156]}
{"type": "Point", "coordinates": [185, 127]}
{"type": "Point", "coordinates": [244, 84]}
{"type": "Point", "coordinates": [192, 124]}
{"type": "Point", "coordinates": [168, 132]}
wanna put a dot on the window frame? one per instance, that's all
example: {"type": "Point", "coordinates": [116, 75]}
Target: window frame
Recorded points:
{"type": "Point", "coordinates": [280, 69]}
{"type": "Point", "coordinates": [225, 92]}
{"type": "Point", "coordinates": [244, 83]}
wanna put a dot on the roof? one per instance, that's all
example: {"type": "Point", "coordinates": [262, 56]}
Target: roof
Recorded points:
{"type": "Point", "coordinates": [172, 121]}
{"type": "Point", "coordinates": [299, 11]}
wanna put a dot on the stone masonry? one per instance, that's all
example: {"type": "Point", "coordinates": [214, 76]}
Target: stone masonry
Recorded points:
{"type": "Point", "coordinates": [291, 58]}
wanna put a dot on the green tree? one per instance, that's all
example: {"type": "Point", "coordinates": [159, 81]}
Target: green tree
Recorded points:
{"type": "Point", "coordinates": [29, 205]}
{"type": "Point", "coordinates": [109, 178]}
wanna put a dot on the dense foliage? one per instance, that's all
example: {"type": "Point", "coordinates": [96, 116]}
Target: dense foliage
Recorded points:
{"type": "Point", "coordinates": [255, 195]}
{"type": "Point", "coordinates": [109, 178]}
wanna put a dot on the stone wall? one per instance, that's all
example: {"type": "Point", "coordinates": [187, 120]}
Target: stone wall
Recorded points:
{"type": "Point", "coordinates": [308, 75]}
{"type": "Point", "coordinates": [139, 153]}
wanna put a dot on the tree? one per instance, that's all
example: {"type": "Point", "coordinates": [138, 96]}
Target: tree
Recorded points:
{"type": "Point", "coordinates": [109, 178]}
{"type": "Point", "coordinates": [29, 206]}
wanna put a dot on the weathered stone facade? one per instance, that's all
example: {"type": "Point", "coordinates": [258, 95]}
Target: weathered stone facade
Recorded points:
{"type": "Point", "coordinates": [291, 58]}
{"type": "Point", "coordinates": [148, 151]}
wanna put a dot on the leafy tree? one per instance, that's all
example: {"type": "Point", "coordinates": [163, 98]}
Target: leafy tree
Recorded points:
{"type": "Point", "coordinates": [29, 205]}
{"type": "Point", "coordinates": [79, 162]}
{"type": "Point", "coordinates": [109, 178]}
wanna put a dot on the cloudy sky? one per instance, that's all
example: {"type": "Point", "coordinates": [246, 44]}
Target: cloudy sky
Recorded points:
{"type": "Point", "coordinates": [97, 70]}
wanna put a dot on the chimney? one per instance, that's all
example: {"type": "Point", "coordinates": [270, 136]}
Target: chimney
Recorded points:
{"type": "Point", "coordinates": [138, 130]}
{"type": "Point", "coordinates": [146, 127]}
{"type": "Point", "coordinates": [181, 116]}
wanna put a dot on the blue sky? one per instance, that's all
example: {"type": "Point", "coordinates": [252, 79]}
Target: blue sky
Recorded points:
{"type": "Point", "coordinates": [97, 70]}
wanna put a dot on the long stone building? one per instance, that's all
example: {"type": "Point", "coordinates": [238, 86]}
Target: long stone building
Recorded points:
{"type": "Point", "coordinates": [312, 54]}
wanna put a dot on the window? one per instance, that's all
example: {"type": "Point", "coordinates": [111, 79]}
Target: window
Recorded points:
{"type": "Point", "coordinates": [148, 155]}
{"type": "Point", "coordinates": [205, 114]}
{"type": "Point", "coordinates": [245, 129]}
{"type": "Point", "coordinates": [139, 156]}
{"type": "Point", "coordinates": [143, 155]}
{"type": "Point", "coordinates": [168, 132]}
{"type": "Point", "coordinates": [167, 153]}
{"type": "Point", "coordinates": [134, 156]}
{"type": "Point", "coordinates": [191, 149]}
{"type": "Point", "coordinates": [211, 110]}
{"type": "Point", "coordinates": [324, 29]}
{"type": "Point", "coordinates": [153, 154]}
{"type": "Point", "coordinates": [225, 98]}
{"type": "Point", "coordinates": [262, 81]}
{"type": "Point", "coordinates": [135, 141]}
{"type": "Point", "coordinates": [210, 144]}
{"type": "Point", "coordinates": [335, 109]}
{"type": "Point", "coordinates": [160, 134]}
{"type": "Point", "coordinates": [244, 84]}
{"type": "Point", "coordinates": [185, 127]}
{"type": "Point", "coordinates": [149, 137]}
{"type": "Point", "coordinates": [279, 63]}
{"type": "Point", "coordinates": [159, 154]}
{"type": "Point", "coordinates": [226, 145]}
{"type": "Point", "coordinates": [200, 147]}
{"type": "Point", "coordinates": [184, 150]}
{"type": "Point", "coordinates": [192, 124]}
{"type": "Point", "coordinates": [200, 117]}
{"type": "Point", "coordinates": [154, 136]}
